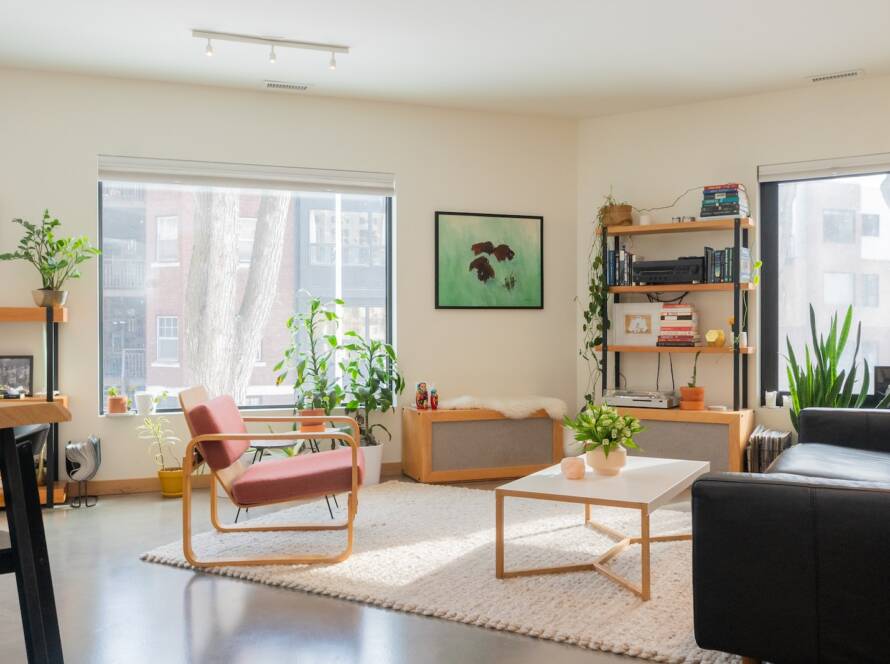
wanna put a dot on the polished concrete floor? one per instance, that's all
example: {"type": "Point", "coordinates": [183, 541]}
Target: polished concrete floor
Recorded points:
{"type": "Point", "coordinates": [113, 608]}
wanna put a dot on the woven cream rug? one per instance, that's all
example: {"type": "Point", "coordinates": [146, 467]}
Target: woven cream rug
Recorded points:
{"type": "Point", "coordinates": [430, 550]}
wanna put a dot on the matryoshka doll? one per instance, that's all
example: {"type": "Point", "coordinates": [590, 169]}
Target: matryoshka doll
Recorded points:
{"type": "Point", "coordinates": [434, 398]}
{"type": "Point", "coordinates": [421, 396]}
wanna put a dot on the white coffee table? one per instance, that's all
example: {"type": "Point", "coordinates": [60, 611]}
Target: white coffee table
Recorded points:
{"type": "Point", "coordinates": [644, 484]}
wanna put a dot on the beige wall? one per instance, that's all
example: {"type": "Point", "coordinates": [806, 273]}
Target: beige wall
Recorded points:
{"type": "Point", "coordinates": [651, 157]}
{"type": "Point", "coordinates": [52, 126]}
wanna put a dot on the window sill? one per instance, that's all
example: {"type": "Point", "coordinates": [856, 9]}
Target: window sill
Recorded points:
{"type": "Point", "coordinates": [164, 264]}
{"type": "Point", "coordinates": [165, 365]}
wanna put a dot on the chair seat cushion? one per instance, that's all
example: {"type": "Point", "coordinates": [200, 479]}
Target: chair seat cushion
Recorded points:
{"type": "Point", "coordinates": [833, 462]}
{"type": "Point", "coordinates": [297, 477]}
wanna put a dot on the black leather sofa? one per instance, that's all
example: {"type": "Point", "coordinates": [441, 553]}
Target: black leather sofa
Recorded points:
{"type": "Point", "coordinates": [793, 565]}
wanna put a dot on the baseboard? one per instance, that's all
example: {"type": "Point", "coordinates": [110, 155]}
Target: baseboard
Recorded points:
{"type": "Point", "coordinates": [153, 484]}
{"type": "Point", "coordinates": [132, 485]}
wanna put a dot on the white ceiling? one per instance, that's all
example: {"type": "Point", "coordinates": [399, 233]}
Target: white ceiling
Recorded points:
{"type": "Point", "coordinates": [555, 57]}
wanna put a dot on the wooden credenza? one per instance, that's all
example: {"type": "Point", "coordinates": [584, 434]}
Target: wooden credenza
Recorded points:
{"type": "Point", "coordinates": [476, 444]}
{"type": "Point", "coordinates": [719, 437]}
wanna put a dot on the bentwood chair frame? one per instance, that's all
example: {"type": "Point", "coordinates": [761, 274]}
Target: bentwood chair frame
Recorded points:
{"type": "Point", "coordinates": [194, 396]}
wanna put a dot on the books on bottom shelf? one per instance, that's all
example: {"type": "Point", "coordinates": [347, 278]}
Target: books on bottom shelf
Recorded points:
{"type": "Point", "coordinates": [764, 446]}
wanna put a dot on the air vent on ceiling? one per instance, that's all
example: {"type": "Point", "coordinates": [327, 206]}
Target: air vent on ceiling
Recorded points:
{"type": "Point", "coordinates": [286, 85]}
{"type": "Point", "coordinates": [836, 76]}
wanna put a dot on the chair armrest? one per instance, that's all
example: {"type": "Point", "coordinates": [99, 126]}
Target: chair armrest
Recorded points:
{"type": "Point", "coordinates": [789, 569]}
{"type": "Point", "coordinates": [862, 428]}
{"type": "Point", "coordinates": [270, 419]}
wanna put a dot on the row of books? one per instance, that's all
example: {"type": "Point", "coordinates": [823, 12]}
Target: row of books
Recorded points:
{"type": "Point", "coordinates": [724, 200]}
{"type": "Point", "coordinates": [764, 446]}
{"type": "Point", "coordinates": [720, 265]}
{"type": "Point", "coordinates": [619, 267]}
{"type": "Point", "coordinates": [678, 325]}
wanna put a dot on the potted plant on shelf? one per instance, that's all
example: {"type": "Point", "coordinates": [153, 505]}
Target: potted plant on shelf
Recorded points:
{"type": "Point", "coordinates": [692, 397]}
{"type": "Point", "coordinates": [614, 213]}
{"type": "Point", "coordinates": [818, 382]}
{"type": "Point", "coordinates": [162, 443]}
{"type": "Point", "coordinates": [115, 402]}
{"type": "Point", "coordinates": [309, 358]}
{"type": "Point", "coordinates": [57, 259]}
{"type": "Point", "coordinates": [373, 383]}
{"type": "Point", "coordinates": [606, 436]}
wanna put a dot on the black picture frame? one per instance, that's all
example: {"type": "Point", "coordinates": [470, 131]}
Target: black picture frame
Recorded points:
{"type": "Point", "coordinates": [446, 213]}
{"type": "Point", "coordinates": [17, 363]}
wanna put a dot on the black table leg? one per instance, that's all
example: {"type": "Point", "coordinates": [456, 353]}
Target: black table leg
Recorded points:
{"type": "Point", "coordinates": [29, 553]}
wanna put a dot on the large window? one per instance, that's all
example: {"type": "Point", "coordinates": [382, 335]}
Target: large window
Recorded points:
{"type": "Point", "coordinates": [822, 246]}
{"type": "Point", "coordinates": [227, 267]}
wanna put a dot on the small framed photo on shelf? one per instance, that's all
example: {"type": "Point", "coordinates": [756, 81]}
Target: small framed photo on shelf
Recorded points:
{"type": "Point", "coordinates": [635, 323]}
{"type": "Point", "coordinates": [16, 374]}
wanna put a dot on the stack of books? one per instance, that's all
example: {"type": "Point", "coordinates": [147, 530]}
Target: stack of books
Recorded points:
{"type": "Point", "coordinates": [678, 326]}
{"type": "Point", "coordinates": [719, 265]}
{"type": "Point", "coordinates": [619, 267]}
{"type": "Point", "coordinates": [724, 200]}
{"type": "Point", "coordinates": [764, 446]}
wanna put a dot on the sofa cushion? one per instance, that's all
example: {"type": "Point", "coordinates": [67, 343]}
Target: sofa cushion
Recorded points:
{"type": "Point", "coordinates": [296, 477]}
{"type": "Point", "coordinates": [831, 461]}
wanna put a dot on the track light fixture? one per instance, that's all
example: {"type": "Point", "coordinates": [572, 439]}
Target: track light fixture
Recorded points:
{"type": "Point", "coordinates": [333, 49]}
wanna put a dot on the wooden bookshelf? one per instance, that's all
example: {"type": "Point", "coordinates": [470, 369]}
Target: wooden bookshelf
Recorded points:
{"type": "Point", "coordinates": [679, 288]}
{"type": "Point", "coordinates": [683, 227]}
{"type": "Point", "coordinates": [704, 350]}
{"type": "Point", "coordinates": [32, 315]}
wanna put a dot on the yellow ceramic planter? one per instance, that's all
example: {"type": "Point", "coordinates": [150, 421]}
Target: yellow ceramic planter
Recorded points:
{"type": "Point", "coordinates": [171, 483]}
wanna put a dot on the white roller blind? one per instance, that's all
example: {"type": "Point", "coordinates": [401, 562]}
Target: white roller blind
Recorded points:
{"type": "Point", "coordinates": [824, 168]}
{"type": "Point", "coordinates": [178, 171]}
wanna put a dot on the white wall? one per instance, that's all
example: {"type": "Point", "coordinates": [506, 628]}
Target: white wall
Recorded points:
{"type": "Point", "coordinates": [651, 157]}
{"type": "Point", "coordinates": [52, 126]}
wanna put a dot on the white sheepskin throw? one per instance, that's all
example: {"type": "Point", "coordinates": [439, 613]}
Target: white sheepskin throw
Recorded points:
{"type": "Point", "coordinates": [517, 408]}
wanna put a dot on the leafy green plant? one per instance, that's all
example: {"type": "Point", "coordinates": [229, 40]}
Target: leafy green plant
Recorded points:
{"type": "Point", "coordinates": [162, 442]}
{"type": "Point", "coordinates": [112, 391]}
{"type": "Point", "coordinates": [56, 258]}
{"type": "Point", "coordinates": [310, 357]}
{"type": "Point", "coordinates": [819, 382]}
{"type": "Point", "coordinates": [602, 426]}
{"type": "Point", "coordinates": [609, 201]}
{"type": "Point", "coordinates": [373, 382]}
{"type": "Point", "coordinates": [694, 381]}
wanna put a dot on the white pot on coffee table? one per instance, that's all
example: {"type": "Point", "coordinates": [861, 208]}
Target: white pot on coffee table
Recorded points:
{"type": "Point", "coordinates": [607, 465]}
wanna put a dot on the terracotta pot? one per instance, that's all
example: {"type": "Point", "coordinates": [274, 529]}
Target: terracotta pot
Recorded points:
{"type": "Point", "coordinates": [171, 483]}
{"type": "Point", "coordinates": [116, 405]}
{"type": "Point", "coordinates": [312, 425]}
{"type": "Point", "coordinates": [618, 215]}
{"type": "Point", "coordinates": [44, 297]}
{"type": "Point", "coordinates": [692, 398]}
{"type": "Point", "coordinates": [607, 465]}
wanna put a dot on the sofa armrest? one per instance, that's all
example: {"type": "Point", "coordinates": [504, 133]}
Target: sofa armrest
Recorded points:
{"type": "Point", "coordinates": [791, 569]}
{"type": "Point", "coordinates": [862, 428]}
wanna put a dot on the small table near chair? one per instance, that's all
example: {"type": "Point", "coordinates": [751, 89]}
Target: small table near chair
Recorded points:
{"type": "Point", "coordinates": [26, 553]}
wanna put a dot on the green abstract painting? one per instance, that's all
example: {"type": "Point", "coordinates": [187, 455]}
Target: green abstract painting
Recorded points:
{"type": "Point", "coordinates": [489, 261]}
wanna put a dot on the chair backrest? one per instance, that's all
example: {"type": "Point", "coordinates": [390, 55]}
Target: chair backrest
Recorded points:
{"type": "Point", "coordinates": [190, 398]}
{"type": "Point", "coordinates": [219, 415]}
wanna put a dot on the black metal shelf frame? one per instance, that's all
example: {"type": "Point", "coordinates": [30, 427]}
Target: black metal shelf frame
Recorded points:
{"type": "Point", "coordinates": [739, 301]}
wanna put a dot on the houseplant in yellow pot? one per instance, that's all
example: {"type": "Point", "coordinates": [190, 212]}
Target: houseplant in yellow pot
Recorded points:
{"type": "Point", "coordinates": [606, 436]}
{"type": "Point", "coordinates": [162, 445]}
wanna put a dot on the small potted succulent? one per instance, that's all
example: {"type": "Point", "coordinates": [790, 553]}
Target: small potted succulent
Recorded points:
{"type": "Point", "coordinates": [115, 402]}
{"type": "Point", "coordinates": [57, 259]}
{"type": "Point", "coordinates": [692, 397]}
{"type": "Point", "coordinates": [606, 436]}
{"type": "Point", "coordinates": [162, 443]}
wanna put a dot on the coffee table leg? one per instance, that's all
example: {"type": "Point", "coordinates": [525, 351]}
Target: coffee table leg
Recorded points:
{"type": "Point", "coordinates": [586, 513]}
{"type": "Point", "coordinates": [644, 553]}
{"type": "Point", "coordinates": [499, 535]}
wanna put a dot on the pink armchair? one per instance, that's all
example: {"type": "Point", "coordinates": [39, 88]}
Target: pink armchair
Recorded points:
{"type": "Point", "coordinates": [220, 437]}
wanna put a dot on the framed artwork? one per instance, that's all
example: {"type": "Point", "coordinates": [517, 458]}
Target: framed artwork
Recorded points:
{"type": "Point", "coordinates": [489, 261]}
{"type": "Point", "coordinates": [635, 323]}
{"type": "Point", "coordinates": [17, 371]}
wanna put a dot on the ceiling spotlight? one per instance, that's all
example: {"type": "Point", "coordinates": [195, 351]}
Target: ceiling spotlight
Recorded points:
{"type": "Point", "coordinates": [272, 56]}
{"type": "Point", "coordinates": [332, 64]}
{"type": "Point", "coordinates": [209, 50]}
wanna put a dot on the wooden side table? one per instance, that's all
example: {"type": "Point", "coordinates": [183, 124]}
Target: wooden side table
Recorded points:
{"type": "Point", "coordinates": [27, 556]}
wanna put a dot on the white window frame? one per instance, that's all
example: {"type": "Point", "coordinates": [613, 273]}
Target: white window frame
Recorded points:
{"type": "Point", "coordinates": [159, 261]}
{"type": "Point", "coordinates": [242, 224]}
{"type": "Point", "coordinates": [159, 361]}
